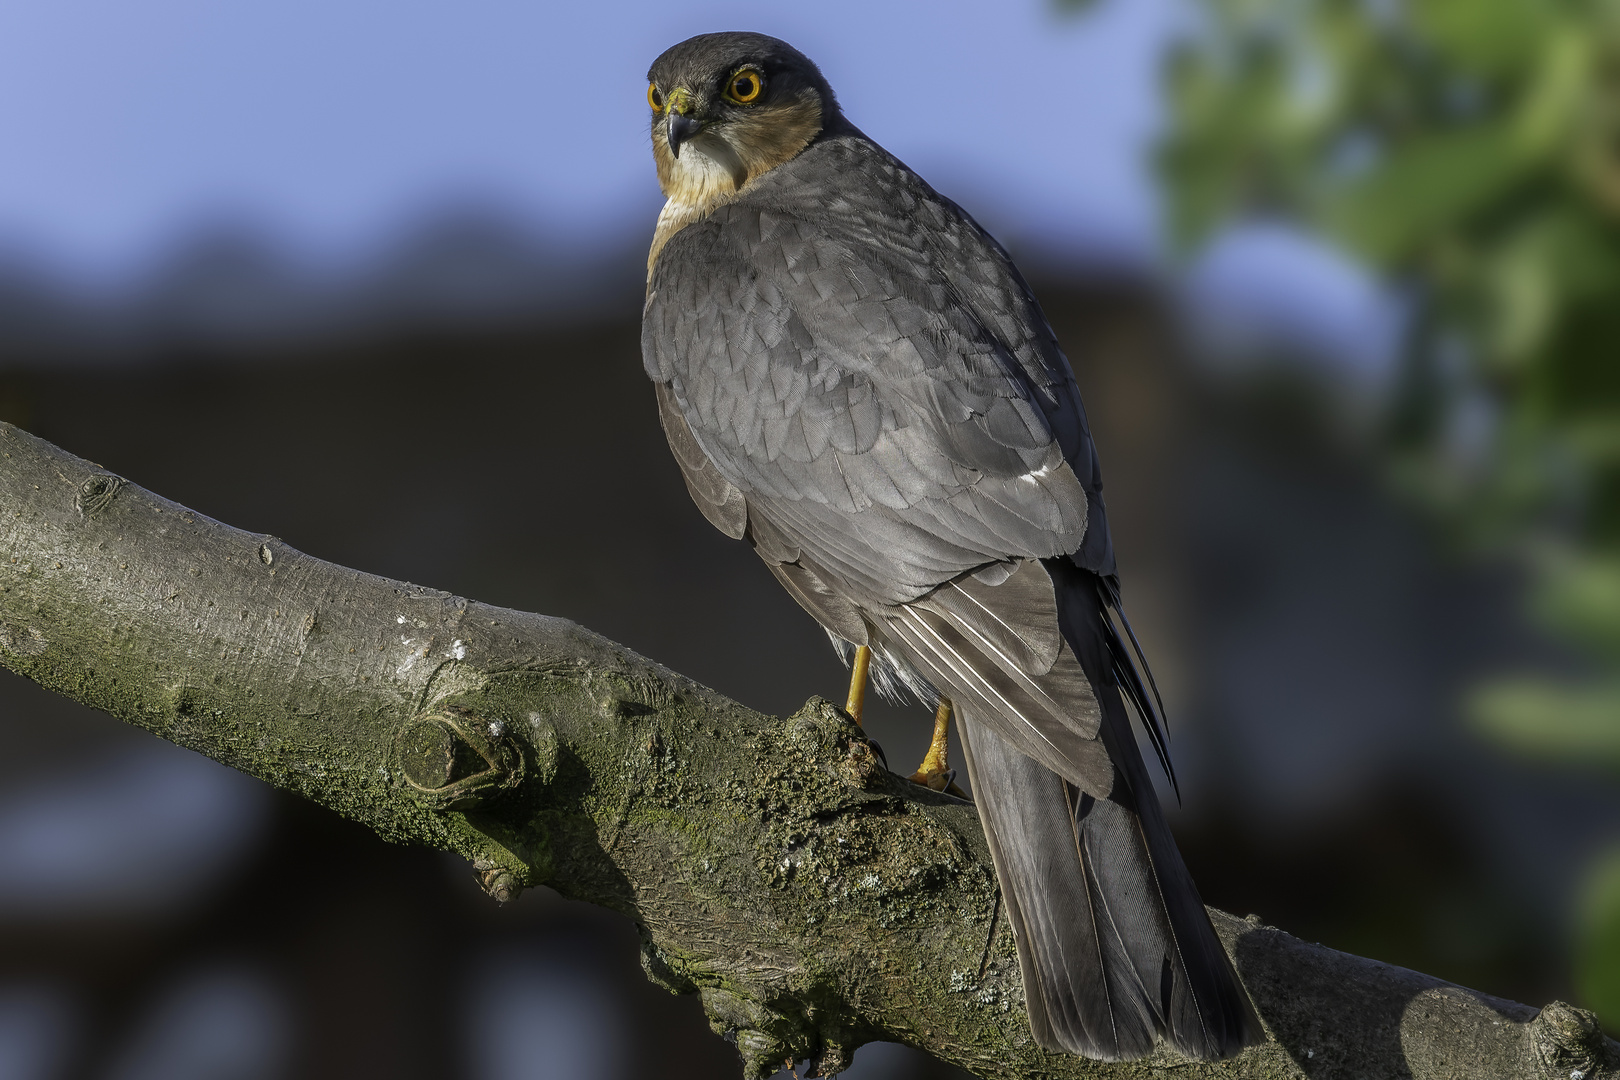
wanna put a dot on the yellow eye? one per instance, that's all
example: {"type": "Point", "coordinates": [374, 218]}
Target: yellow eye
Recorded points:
{"type": "Point", "coordinates": [654, 98]}
{"type": "Point", "coordinates": [745, 87]}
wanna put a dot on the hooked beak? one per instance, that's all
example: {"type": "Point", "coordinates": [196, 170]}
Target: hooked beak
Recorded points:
{"type": "Point", "coordinates": [679, 129]}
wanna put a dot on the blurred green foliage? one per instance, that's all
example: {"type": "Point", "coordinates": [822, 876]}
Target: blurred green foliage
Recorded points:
{"type": "Point", "coordinates": [1470, 151]}
{"type": "Point", "coordinates": [1597, 980]}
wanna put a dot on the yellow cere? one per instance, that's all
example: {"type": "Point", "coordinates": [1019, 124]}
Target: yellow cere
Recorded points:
{"type": "Point", "coordinates": [745, 87]}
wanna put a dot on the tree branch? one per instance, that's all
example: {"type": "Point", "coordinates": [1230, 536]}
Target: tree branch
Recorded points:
{"type": "Point", "coordinates": [814, 900]}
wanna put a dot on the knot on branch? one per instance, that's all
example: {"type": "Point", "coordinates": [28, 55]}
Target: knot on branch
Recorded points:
{"type": "Point", "coordinates": [768, 1013]}
{"type": "Point", "coordinates": [21, 641]}
{"type": "Point", "coordinates": [453, 760]}
{"type": "Point", "coordinates": [768, 1038]}
{"type": "Point", "coordinates": [498, 881]}
{"type": "Point", "coordinates": [822, 732]}
{"type": "Point", "coordinates": [97, 493]}
{"type": "Point", "coordinates": [1568, 1043]}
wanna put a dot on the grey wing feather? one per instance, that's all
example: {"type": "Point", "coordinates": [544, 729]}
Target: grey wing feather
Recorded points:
{"type": "Point", "coordinates": [994, 651]}
{"type": "Point", "coordinates": [720, 502]}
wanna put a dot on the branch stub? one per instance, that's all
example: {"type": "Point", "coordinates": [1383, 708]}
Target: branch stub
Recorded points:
{"type": "Point", "coordinates": [452, 760]}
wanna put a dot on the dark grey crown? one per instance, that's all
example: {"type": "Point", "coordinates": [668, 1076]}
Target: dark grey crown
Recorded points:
{"type": "Point", "coordinates": [703, 63]}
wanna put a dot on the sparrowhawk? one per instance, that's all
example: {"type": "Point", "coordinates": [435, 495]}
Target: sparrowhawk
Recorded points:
{"type": "Point", "coordinates": [855, 379]}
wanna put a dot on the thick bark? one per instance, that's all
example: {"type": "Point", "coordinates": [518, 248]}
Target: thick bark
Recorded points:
{"type": "Point", "coordinates": [814, 900]}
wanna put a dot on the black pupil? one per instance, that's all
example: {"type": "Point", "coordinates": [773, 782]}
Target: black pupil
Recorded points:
{"type": "Point", "coordinates": [744, 86]}
{"type": "Point", "coordinates": [658, 99]}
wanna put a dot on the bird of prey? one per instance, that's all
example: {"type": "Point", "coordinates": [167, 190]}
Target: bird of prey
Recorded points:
{"type": "Point", "coordinates": [855, 378]}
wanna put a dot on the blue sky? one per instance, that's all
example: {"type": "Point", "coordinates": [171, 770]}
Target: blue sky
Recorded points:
{"type": "Point", "coordinates": [331, 125]}
{"type": "Point", "coordinates": [329, 130]}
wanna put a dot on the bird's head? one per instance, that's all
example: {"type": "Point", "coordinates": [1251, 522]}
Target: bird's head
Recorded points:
{"type": "Point", "coordinates": [727, 108]}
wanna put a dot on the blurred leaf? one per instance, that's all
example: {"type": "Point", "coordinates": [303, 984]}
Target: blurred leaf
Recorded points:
{"type": "Point", "coordinates": [1598, 437]}
{"type": "Point", "coordinates": [1597, 940]}
{"type": "Point", "coordinates": [1488, 38]}
{"type": "Point", "coordinates": [1557, 258]}
{"type": "Point", "coordinates": [1549, 108]}
{"type": "Point", "coordinates": [1425, 188]}
{"type": "Point", "coordinates": [1580, 595]}
{"type": "Point", "coordinates": [1240, 114]}
{"type": "Point", "coordinates": [1551, 719]}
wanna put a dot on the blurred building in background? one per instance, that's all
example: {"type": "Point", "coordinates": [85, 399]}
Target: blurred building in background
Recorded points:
{"type": "Point", "coordinates": [448, 390]}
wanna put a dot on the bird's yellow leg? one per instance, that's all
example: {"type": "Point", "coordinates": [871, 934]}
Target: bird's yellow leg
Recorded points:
{"type": "Point", "coordinates": [857, 683]}
{"type": "Point", "coordinates": [934, 772]}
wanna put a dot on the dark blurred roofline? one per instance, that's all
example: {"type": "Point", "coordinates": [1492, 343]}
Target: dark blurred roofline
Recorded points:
{"type": "Point", "coordinates": [227, 293]}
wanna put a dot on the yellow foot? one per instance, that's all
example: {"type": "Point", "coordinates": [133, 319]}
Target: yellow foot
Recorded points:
{"type": "Point", "coordinates": [857, 683]}
{"type": "Point", "coordinates": [934, 772]}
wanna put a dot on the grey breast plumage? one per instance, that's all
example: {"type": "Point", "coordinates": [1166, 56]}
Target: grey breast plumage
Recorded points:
{"type": "Point", "coordinates": [854, 377]}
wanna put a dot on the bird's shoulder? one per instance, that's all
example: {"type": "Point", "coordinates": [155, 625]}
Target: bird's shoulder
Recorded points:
{"type": "Point", "coordinates": [848, 201]}
{"type": "Point", "coordinates": [847, 250]}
